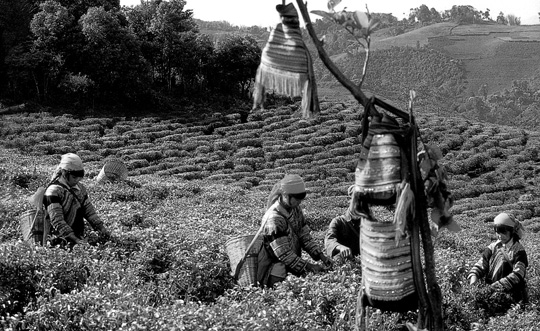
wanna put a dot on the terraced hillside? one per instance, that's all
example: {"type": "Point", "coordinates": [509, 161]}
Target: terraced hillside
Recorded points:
{"type": "Point", "coordinates": [194, 182]}
{"type": "Point", "coordinates": [492, 54]}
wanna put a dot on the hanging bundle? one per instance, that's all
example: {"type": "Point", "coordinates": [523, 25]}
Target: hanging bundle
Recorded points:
{"type": "Point", "coordinates": [404, 208]}
{"type": "Point", "coordinates": [387, 271]}
{"type": "Point", "coordinates": [286, 65]}
{"type": "Point", "coordinates": [439, 198]}
{"type": "Point", "coordinates": [382, 164]}
{"type": "Point", "coordinates": [381, 178]}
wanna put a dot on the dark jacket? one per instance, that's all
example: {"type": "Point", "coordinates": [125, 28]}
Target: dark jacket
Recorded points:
{"type": "Point", "coordinates": [345, 232]}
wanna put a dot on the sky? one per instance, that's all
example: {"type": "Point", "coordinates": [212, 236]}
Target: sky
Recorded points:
{"type": "Point", "coordinates": [263, 12]}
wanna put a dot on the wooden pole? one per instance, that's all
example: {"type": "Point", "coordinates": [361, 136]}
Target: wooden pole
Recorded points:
{"type": "Point", "coordinates": [434, 291]}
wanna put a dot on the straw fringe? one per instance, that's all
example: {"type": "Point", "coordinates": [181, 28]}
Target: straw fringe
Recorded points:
{"type": "Point", "coordinates": [282, 82]}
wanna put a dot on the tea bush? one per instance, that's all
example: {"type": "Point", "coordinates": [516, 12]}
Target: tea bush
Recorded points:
{"type": "Point", "coordinates": [190, 190]}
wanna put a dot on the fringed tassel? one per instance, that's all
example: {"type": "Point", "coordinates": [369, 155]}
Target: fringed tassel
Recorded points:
{"type": "Point", "coordinates": [357, 208]}
{"type": "Point", "coordinates": [287, 68]}
{"type": "Point", "coordinates": [311, 107]}
{"type": "Point", "coordinates": [282, 82]}
{"type": "Point", "coordinates": [405, 205]}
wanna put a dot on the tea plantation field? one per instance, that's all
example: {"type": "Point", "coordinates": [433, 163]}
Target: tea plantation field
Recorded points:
{"type": "Point", "coordinates": [195, 181]}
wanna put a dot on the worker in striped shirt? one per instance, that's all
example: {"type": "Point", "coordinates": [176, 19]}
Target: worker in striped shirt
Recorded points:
{"type": "Point", "coordinates": [286, 234]}
{"type": "Point", "coordinates": [504, 263]}
{"type": "Point", "coordinates": [68, 205]}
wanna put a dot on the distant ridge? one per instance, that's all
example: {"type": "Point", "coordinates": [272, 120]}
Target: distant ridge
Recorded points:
{"type": "Point", "coordinates": [492, 54]}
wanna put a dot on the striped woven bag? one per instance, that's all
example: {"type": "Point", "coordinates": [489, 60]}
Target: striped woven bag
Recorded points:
{"type": "Point", "coordinates": [382, 164]}
{"type": "Point", "coordinates": [286, 66]}
{"type": "Point", "coordinates": [387, 274]}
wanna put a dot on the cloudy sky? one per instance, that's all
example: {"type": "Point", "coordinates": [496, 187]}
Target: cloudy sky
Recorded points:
{"type": "Point", "coordinates": [263, 13]}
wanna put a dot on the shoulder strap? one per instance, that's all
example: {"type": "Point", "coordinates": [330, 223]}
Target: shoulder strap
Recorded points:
{"type": "Point", "coordinates": [72, 193]}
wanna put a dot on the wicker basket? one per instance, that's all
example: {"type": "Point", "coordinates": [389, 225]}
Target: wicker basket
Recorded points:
{"type": "Point", "coordinates": [32, 226]}
{"type": "Point", "coordinates": [236, 250]}
{"type": "Point", "coordinates": [112, 171]}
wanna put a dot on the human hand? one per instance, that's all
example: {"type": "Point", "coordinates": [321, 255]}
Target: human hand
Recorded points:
{"type": "Point", "coordinates": [497, 286]}
{"type": "Point", "coordinates": [315, 268]}
{"type": "Point", "coordinates": [80, 241]}
{"type": "Point", "coordinates": [328, 263]}
{"type": "Point", "coordinates": [72, 237]}
{"type": "Point", "coordinates": [104, 232]}
{"type": "Point", "coordinates": [345, 252]}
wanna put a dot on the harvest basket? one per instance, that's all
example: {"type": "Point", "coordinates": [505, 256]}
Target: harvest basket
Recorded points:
{"type": "Point", "coordinates": [33, 227]}
{"type": "Point", "coordinates": [112, 171]}
{"type": "Point", "coordinates": [236, 249]}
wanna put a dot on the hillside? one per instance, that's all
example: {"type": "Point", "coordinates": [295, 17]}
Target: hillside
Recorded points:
{"type": "Point", "coordinates": [491, 54]}
{"type": "Point", "coordinates": [196, 181]}
{"type": "Point", "coordinates": [469, 60]}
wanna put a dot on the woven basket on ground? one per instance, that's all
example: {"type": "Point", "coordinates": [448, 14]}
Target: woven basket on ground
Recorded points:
{"type": "Point", "coordinates": [112, 171]}
{"type": "Point", "coordinates": [236, 250]}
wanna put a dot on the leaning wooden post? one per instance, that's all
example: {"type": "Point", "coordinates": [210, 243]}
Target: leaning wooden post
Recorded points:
{"type": "Point", "coordinates": [417, 185]}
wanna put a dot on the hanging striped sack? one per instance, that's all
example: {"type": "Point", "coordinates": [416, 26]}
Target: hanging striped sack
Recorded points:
{"type": "Point", "coordinates": [382, 165]}
{"type": "Point", "coordinates": [387, 273]}
{"type": "Point", "coordinates": [286, 65]}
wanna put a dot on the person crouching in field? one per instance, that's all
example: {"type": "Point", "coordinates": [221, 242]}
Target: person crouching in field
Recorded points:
{"type": "Point", "coordinates": [67, 203]}
{"type": "Point", "coordinates": [342, 238]}
{"type": "Point", "coordinates": [504, 262]}
{"type": "Point", "coordinates": [285, 234]}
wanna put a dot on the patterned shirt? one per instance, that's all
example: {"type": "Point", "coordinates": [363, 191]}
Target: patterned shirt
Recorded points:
{"type": "Point", "coordinates": [64, 209]}
{"type": "Point", "coordinates": [505, 264]}
{"type": "Point", "coordinates": [285, 234]}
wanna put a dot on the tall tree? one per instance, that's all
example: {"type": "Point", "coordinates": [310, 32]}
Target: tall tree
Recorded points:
{"type": "Point", "coordinates": [113, 56]}
{"type": "Point", "coordinates": [513, 19]}
{"type": "Point", "coordinates": [15, 17]}
{"type": "Point", "coordinates": [193, 61]}
{"type": "Point", "coordinates": [501, 19]}
{"type": "Point", "coordinates": [423, 14]}
{"type": "Point", "coordinates": [236, 62]}
{"type": "Point", "coordinates": [79, 7]}
{"type": "Point", "coordinates": [167, 26]}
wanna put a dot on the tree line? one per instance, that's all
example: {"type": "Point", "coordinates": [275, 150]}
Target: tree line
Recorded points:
{"type": "Point", "coordinates": [94, 52]}
{"type": "Point", "coordinates": [460, 14]}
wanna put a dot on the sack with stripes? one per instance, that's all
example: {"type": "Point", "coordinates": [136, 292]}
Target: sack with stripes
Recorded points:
{"type": "Point", "coordinates": [382, 165]}
{"type": "Point", "coordinates": [286, 66]}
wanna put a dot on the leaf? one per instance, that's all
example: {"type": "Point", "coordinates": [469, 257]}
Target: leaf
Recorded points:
{"type": "Point", "coordinates": [361, 18]}
{"type": "Point", "coordinates": [344, 18]}
{"type": "Point", "coordinates": [323, 14]}
{"type": "Point", "coordinates": [373, 24]}
{"type": "Point", "coordinates": [332, 4]}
